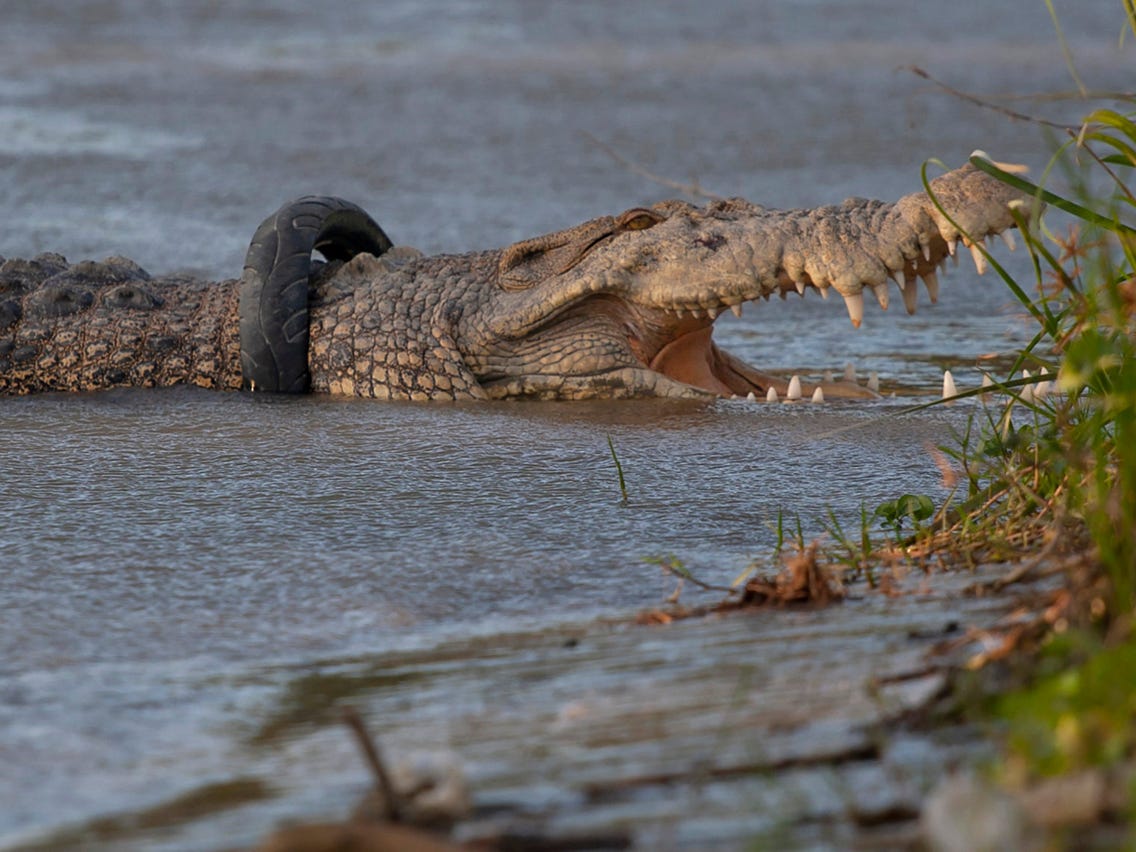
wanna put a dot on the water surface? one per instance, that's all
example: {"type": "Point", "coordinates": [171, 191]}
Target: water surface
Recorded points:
{"type": "Point", "coordinates": [165, 556]}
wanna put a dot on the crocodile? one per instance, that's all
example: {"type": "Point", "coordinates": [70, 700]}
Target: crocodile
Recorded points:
{"type": "Point", "coordinates": [619, 306]}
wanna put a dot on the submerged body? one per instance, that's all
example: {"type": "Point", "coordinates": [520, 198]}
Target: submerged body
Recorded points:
{"type": "Point", "coordinates": [618, 306]}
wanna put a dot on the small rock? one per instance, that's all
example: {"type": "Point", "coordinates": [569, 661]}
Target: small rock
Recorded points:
{"type": "Point", "coordinates": [964, 813]}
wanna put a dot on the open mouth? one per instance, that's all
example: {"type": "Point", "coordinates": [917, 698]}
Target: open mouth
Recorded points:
{"type": "Point", "coordinates": [683, 349]}
{"type": "Point", "coordinates": [692, 357]}
{"type": "Point", "coordinates": [605, 345]}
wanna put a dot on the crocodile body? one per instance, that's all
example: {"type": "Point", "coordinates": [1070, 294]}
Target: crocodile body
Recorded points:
{"type": "Point", "coordinates": [620, 306]}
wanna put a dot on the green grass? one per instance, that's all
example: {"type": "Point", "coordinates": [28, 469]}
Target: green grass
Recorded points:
{"type": "Point", "coordinates": [619, 472]}
{"type": "Point", "coordinates": [1056, 475]}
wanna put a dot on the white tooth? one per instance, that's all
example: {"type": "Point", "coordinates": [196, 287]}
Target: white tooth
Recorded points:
{"type": "Point", "coordinates": [823, 290]}
{"type": "Point", "coordinates": [1008, 239]}
{"type": "Point", "coordinates": [874, 382]}
{"type": "Point", "coordinates": [952, 246]}
{"type": "Point", "coordinates": [794, 391]}
{"type": "Point", "coordinates": [979, 260]}
{"type": "Point", "coordinates": [927, 251]}
{"type": "Point", "coordinates": [850, 372]}
{"type": "Point", "coordinates": [1027, 393]}
{"type": "Point", "coordinates": [713, 313]}
{"type": "Point", "coordinates": [910, 293]}
{"type": "Point", "coordinates": [737, 309]}
{"type": "Point", "coordinates": [751, 396]}
{"type": "Point", "coordinates": [818, 395]}
{"type": "Point", "coordinates": [931, 282]}
{"type": "Point", "coordinates": [949, 389]}
{"type": "Point", "coordinates": [800, 285]}
{"type": "Point", "coordinates": [881, 291]}
{"type": "Point", "coordinates": [771, 395]}
{"type": "Point", "coordinates": [678, 312]}
{"type": "Point", "coordinates": [1044, 371]}
{"type": "Point", "coordinates": [855, 305]}
{"type": "Point", "coordinates": [1025, 374]}
{"type": "Point", "coordinates": [1041, 390]}
{"type": "Point", "coordinates": [697, 314]}
{"type": "Point", "coordinates": [987, 382]}
{"type": "Point", "coordinates": [828, 376]}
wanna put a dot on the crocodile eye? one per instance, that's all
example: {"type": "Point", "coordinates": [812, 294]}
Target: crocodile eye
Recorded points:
{"type": "Point", "coordinates": [638, 219]}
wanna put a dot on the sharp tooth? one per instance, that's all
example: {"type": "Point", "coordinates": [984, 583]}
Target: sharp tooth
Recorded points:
{"type": "Point", "coordinates": [927, 251]}
{"type": "Point", "coordinates": [737, 309]}
{"type": "Point", "coordinates": [678, 312]}
{"type": "Point", "coordinates": [751, 396]}
{"type": "Point", "coordinates": [794, 391]}
{"type": "Point", "coordinates": [931, 282]}
{"type": "Point", "coordinates": [771, 395]}
{"type": "Point", "coordinates": [979, 260]}
{"type": "Point", "coordinates": [713, 313]}
{"type": "Point", "coordinates": [874, 382]}
{"type": "Point", "coordinates": [694, 312]}
{"type": "Point", "coordinates": [800, 285]}
{"type": "Point", "coordinates": [952, 246]}
{"type": "Point", "coordinates": [910, 293]}
{"type": "Point", "coordinates": [881, 291]}
{"type": "Point", "coordinates": [987, 382]}
{"type": "Point", "coordinates": [855, 305]}
{"type": "Point", "coordinates": [1008, 238]}
{"type": "Point", "coordinates": [823, 290]}
{"type": "Point", "coordinates": [850, 372]}
{"type": "Point", "coordinates": [949, 389]}
{"type": "Point", "coordinates": [818, 395]}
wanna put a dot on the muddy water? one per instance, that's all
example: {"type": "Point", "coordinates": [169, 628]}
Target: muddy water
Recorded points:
{"type": "Point", "coordinates": [172, 563]}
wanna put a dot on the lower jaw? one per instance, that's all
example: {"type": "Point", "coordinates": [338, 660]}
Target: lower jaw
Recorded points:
{"type": "Point", "coordinates": [694, 359]}
{"type": "Point", "coordinates": [624, 383]}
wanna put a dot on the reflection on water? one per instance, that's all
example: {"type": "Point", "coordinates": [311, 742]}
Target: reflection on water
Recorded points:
{"type": "Point", "coordinates": [159, 550]}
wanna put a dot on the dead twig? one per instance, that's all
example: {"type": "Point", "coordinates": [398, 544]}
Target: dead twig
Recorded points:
{"type": "Point", "coordinates": [985, 104]}
{"type": "Point", "coordinates": [383, 786]}
{"type": "Point", "coordinates": [694, 189]}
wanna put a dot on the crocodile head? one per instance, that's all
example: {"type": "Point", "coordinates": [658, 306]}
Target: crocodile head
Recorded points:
{"type": "Point", "coordinates": [625, 305]}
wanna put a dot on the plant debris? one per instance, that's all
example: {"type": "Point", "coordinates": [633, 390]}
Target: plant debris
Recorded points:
{"type": "Point", "coordinates": [803, 580]}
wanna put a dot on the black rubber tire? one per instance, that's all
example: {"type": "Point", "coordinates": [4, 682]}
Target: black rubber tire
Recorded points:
{"type": "Point", "coordinates": [274, 284]}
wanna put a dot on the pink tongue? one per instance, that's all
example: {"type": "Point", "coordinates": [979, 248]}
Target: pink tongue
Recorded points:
{"type": "Point", "coordinates": [689, 359]}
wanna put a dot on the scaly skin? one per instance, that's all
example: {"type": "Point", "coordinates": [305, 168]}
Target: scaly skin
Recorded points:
{"type": "Point", "coordinates": [98, 325]}
{"type": "Point", "coordinates": [616, 307]}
